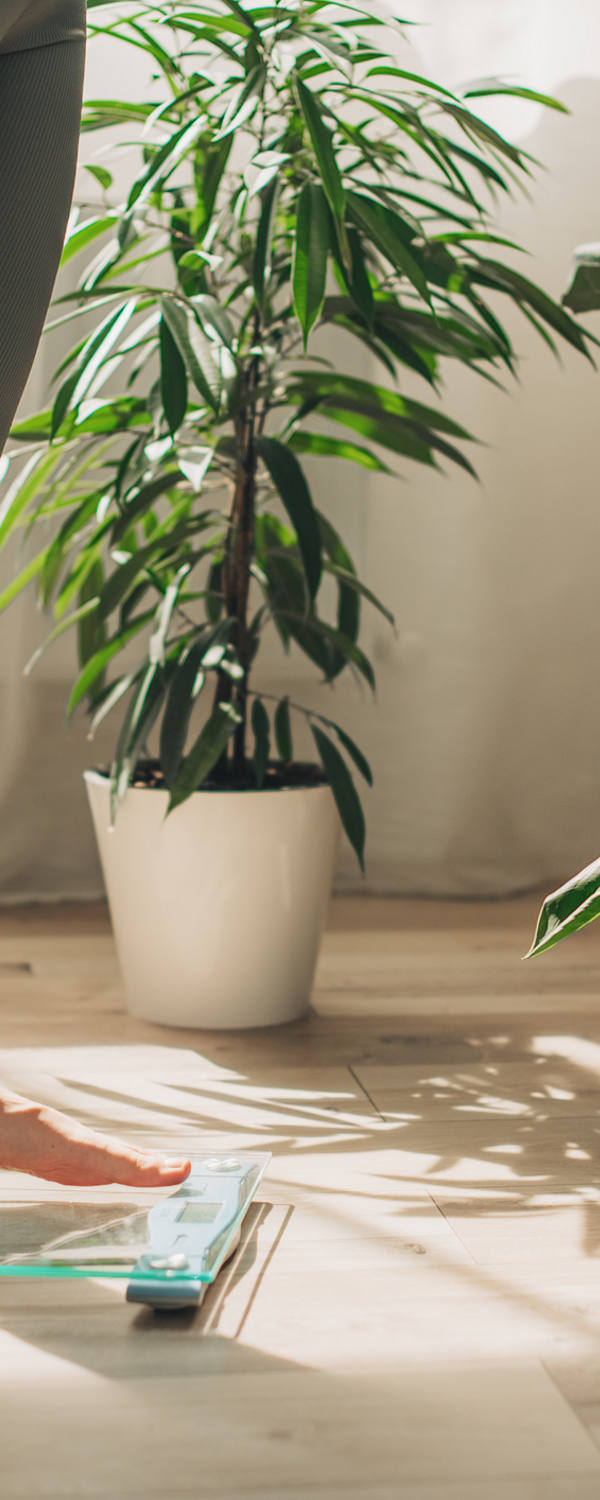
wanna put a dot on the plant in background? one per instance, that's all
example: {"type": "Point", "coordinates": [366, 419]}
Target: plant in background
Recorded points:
{"type": "Point", "coordinates": [297, 178]}
{"type": "Point", "coordinates": [577, 902]}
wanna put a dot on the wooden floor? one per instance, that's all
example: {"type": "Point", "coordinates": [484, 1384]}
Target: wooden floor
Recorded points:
{"type": "Point", "coordinates": [415, 1311]}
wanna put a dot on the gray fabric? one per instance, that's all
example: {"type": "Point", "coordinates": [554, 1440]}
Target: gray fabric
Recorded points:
{"type": "Point", "coordinates": [40, 109]}
{"type": "Point", "coordinates": [38, 23]}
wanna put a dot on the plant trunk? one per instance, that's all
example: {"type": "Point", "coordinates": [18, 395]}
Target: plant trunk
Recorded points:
{"type": "Point", "coordinates": [236, 574]}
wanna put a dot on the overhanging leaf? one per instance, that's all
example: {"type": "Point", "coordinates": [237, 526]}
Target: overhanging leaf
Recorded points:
{"type": "Point", "coordinates": [205, 753]}
{"type": "Point", "coordinates": [310, 256]}
{"type": "Point", "coordinates": [294, 493]}
{"type": "Point", "coordinates": [344, 791]}
{"type": "Point", "coordinates": [564, 911]}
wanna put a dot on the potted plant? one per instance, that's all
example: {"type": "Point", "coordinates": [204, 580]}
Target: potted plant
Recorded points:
{"type": "Point", "coordinates": [577, 902]}
{"type": "Point", "coordinates": [296, 178]}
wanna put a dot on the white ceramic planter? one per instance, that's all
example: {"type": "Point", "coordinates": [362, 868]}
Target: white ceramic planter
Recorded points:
{"type": "Point", "coordinates": [218, 909]}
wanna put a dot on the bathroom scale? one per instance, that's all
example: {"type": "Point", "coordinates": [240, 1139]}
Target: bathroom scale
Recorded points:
{"type": "Point", "coordinates": [168, 1253]}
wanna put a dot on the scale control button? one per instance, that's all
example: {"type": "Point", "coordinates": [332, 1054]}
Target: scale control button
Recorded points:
{"type": "Point", "coordinates": [213, 1164]}
{"type": "Point", "coordinates": [177, 1262]}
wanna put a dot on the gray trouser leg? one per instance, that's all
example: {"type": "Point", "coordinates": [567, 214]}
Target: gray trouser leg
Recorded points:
{"type": "Point", "coordinates": [40, 113]}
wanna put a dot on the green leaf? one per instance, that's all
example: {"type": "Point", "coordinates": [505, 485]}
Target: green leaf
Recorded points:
{"type": "Point", "coordinates": [344, 791]}
{"type": "Point", "coordinates": [173, 379]}
{"type": "Point", "coordinates": [25, 487]}
{"type": "Point", "coordinates": [322, 144]}
{"type": "Point", "coordinates": [84, 234]}
{"type": "Point", "coordinates": [353, 751]}
{"type": "Point", "coordinates": [566, 910]}
{"type": "Point", "coordinates": [164, 615]}
{"type": "Point", "coordinates": [22, 579]}
{"type": "Point", "coordinates": [480, 128]}
{"type": "Point", "coordinates": [210, 367]}
{"type": "Point", "coordinates": [245, 105]}
{"type": "Point", "coordinates": [387, 71]}
{"type": "Point", "coordinates": [583, 294]}
{"type": "Point", "coordinates": [91, 632]}
{"type": "Point", "coordinates": [97, 663]}
{"type": "Point", "coordinates": [92, 357]}
{"type": "Point", "coordinates": [186, 681]}
{"type": "Point", "coordinates": [262, 740]}
{"type": "Point", "coordinates": [341, 563]}
{"type": "Point", "coordinates": [294, 493]}
{"type": "Point", "coordinates": [283, 731]}
{"type": "Point", "coordinates": [243, 16]}
{"type": "Point", "coordinates": [391, 235]}
{"type": "Point", "coordinates": [330, 447]}
{"type": "Point", "coordinates": [139, 500]}
{"type": "Point", "coordinates": [351, 583]}
{"type": "Point", "coordinates": [166, 159]}
{"type": "Point", "coordinates": [327, 647]}
{"type": "Point", "coordinates": [207, 750]}
{"type": "Point", "coordinates": [142, 712]}
{"type": "Point", "coordinates": [310, 256]}
{"type": "Point", "coordinates": [494, 86]}
{"type": "Point", "coordinates": [209, 165]}
{"type": "Point", "coordinates": [492, 273]}
{"type": "Point", "coordinates": [75, 619]}
{"type": "Point", "coordinates": [101, 174]}
{"type": "Point", "coordinates": [111, 696]}
{"type": "Point", "coordinates": [264, 236]}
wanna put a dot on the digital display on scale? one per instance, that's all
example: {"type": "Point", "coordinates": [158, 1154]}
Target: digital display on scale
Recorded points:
{"type": "Point", "coordinates": [200, 1213]}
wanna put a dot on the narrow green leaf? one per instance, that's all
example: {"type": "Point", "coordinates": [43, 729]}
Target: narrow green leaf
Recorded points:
{"type": "Point", "coordinates": [387, 71]}
{"type": "Point", "coordinates": [294, 493]}
{"type": "Point", "coordinates": [97, 663]}
{"type": "Point", "coordinates": [330, 447]}
{"type": "Point", "coordinates": [262, 740]}
{"type": "Point", "coordinates": [283, 731]}
{"type": "Point", "coordinates": [583, 294]}
{"type": "Point", "coordinates": [164, 162]}
{"type": "Point", "coordinates": [204, 360]}
{"type": "Point", "coordinates": [101, 174]}
{"type": "Point", "coordinates": [344, 791]}
{"type": "Point", "coordinates": [91, 632]}
{"type": "Point", "coordinates": [74, 619]}
{"type": "Point", "coordinates": [375, 398]}
{"type": "Point", "coordinates": [187, 677]}
{"type": "Point", "coordinates": [264, 236]}
{"type": "Point", "coordinates": [21, 580]}
{"type": "Point", "coordinates": [205, 753]}
{"type": "Point", "coordinates": [322, 144]}
{"type": "Point", "coordinates": [164, 615]}
{"type": "Point", "coordinates": [92, 357]}
{"type": "Point", "coordinates": [494, 86]}
{"type": "Point", "coordinates": [389, 232]}
{"type": "Point", "coordinates": [480, 128]}
{"type": "Point", "coordinates": [350, 582]}
{"type": "Point", "coordinates": [139, 500]}
{"type": "Point", "coordinates": [142, 713]}
{"type": "Point", "coordinates": [173, 378]}
{"type": "Point", "coordinates": [25, 487]}
{"type": "Point", "coordinates": [84, 234]}
{"type": "Point", "coordinates": [564, 911]}
{"type": "Point", "coordinates": [355, 754]}
{"type": "Point", "coordinates": [348, 621]}
{"type": "Point", "coordinates": [310, 256]}
{"type": "Point", "coordinates": [111, 696]}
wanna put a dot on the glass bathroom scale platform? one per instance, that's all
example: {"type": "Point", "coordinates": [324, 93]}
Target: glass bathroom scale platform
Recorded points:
{"type": "Point", "coordinates": [168, 1252]}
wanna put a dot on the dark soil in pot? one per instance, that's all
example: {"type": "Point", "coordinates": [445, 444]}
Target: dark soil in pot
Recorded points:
{"type": "Point", "coordinates": [278, 777]}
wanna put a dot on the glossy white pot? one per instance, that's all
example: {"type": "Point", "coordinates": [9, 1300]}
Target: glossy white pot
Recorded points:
{"type": "Point", "coordinates": [218, 909]}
